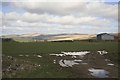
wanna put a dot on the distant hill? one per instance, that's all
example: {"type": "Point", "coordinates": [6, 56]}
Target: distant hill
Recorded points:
{"type": "Point", "coordinates": [53, 37]}
{"type": "Point", "coordinates": [49, 37]}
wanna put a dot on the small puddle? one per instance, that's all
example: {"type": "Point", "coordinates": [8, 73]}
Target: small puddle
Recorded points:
{"type": "Point", "coordinates": [57, 55]}
{"type": "Point", "coordinates": [110, 64]}
{"type": "Point", "coordinates": [73, 56]}
{"type": "Point", "coordinates": [99, 73]}
{"type": "Point", "coordinates": [39, 56]}
{"type": "Point", "coordinates": [67, 63]}
{"type": "Point", "coordinates": [27, 55]}
{"type": "Point", "coordinates": [102, 52]}
{"type": "Point", "coordinates": [20, 55]}
{"type": "Point", "coordinates": [78, 60]}
{"type": "Point", "coordinates": [54, 61]}
{"type": "Point", "coordinates": [23, 55]}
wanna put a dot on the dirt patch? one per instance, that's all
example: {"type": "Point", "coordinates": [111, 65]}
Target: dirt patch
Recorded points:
{"type": "Point", "coordinates": [12, 66]}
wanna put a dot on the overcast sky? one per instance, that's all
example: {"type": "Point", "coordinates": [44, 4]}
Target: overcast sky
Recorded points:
{"type": "Point", "coordinates": [56, 17]}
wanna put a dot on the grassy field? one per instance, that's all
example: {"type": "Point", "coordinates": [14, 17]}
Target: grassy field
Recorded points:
{"type": "Point", "coordinates": [44, 48]}
{"type": "Point", "coordinates": [15, 48]}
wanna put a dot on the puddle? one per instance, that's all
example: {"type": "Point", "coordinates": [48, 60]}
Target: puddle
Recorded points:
{"type": "Point", "coordinates": [67, 63]}
{"type": "Point", "coordinates": [27, 55]}
{"type": "Point", "coordinates": [102, 52]}
{"type": "Point", "coordinates": [81, 53]}
{"type": "Point", "coordinates": [110, 64]}
{"type": "Point", "coordinates": [73, 54]}
{"type": "Point", "coordinates": [70, 63]}
{"type": "Point", "coordinates": [54, 61]}
{"type": "Point", "coordinates": [57, 55]}
{"type": "Point", "coordinates": [39, 65]}
{"type": "Point", "coordinates": [78, 60]}
{"type": "Point", "coordinates": [23, 55]}
{"type": "Point", "coordinates": [99, 73]}
{"type": "Point", "coordinates": [39, 56]}
{"type": "Point", "coordinates": [20, 55]}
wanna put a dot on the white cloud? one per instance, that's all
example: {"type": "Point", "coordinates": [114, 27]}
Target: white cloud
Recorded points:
{"type": "Point", "coordinates": [102, 10]}
{"type": "Point", "coordinates": [11, 16]}
{"type": "Point", "coordinates": [61, 17]}
{"type": "Point", "coordinates": [32, 19]}
{"type": "Point", "coordinates": [99, 9]}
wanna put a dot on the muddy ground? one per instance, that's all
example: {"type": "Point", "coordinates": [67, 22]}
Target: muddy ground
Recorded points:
{"type": "Point", "coordinates": [83, 64]}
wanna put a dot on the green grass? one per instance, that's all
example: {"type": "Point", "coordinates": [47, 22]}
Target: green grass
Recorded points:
{"type": "Point", "coordinates": [16, 48]}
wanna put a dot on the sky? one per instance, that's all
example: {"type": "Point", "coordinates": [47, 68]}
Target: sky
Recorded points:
{"type": "Point", "coordinates": [58, 17]}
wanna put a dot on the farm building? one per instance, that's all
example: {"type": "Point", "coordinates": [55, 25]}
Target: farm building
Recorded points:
{"type": "Point", "coordinates": [105, 36]}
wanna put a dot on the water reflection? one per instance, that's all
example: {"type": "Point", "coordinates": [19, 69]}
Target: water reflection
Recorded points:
{"type": "Point", "coordinates": [54, 61]}
{"type": "Point", "coordinates": [39, 56]}
{"type": "Point", "coordinates": [81, 53]}
{"type": "Point", "coordinates": [81, 61]}
{"type": "Point", "coordinates": [102, 52]}
{"type": "Point", "coordinates": [99, 73]}
{"type": "Point", "coordinates": [67, 63]}
{"type": "Point", "coordinates": [68, 59]}
{"type": "Point", "coordinates": [110, 64]}
{"type": "Point", "coordinates": [57, 55]}
{"type": "Point", "coordinates": [27, 55]}
{"type": "Point", "coordinates": [73, 54]}
{"type": "Point", "coordinates": [20, 55]}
